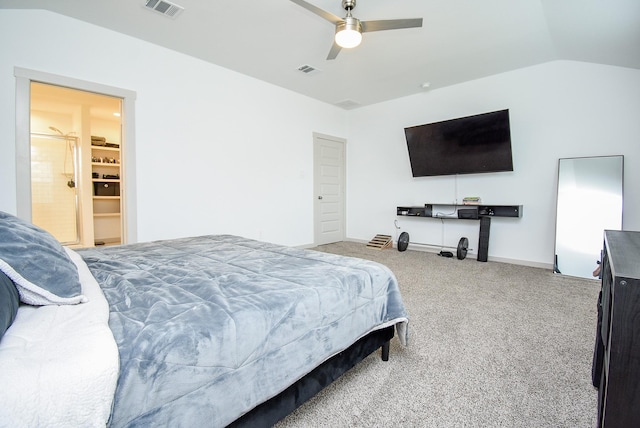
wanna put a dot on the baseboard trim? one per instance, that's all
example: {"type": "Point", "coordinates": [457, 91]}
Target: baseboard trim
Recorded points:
{"type": "Point", "coordinates": [433, 249]}
{"type": "Point", "coordinates": [306, 246]}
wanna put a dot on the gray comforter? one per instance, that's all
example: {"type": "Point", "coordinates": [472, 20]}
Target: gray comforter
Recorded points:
{"type": "Point", "coordinates": [209, 327]}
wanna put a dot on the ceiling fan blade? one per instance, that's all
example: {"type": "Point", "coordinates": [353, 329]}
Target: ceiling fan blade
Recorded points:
{"type": "Point", "coordinates": [335, 50]}
{"type": "Point", "coordinates": [322, 13]}
{"type": "Point", "coordinates": [390, 24]}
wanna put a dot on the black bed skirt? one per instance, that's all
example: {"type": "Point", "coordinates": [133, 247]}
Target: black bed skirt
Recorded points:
{"type": "Point", "coordinates": [271, 411]}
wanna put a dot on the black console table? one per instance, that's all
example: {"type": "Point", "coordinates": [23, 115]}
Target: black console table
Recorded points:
{"type": "Point", "coordinates": [466, 212]}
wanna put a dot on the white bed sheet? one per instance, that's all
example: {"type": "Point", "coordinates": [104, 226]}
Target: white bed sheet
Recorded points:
{"type": "Point", "coordinates": [59, 364]}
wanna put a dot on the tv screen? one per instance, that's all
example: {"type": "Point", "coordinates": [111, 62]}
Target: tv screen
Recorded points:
{"type": "Point", "coordinates": [468, 145]}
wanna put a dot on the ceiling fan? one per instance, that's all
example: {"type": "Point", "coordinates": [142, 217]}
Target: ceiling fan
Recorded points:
{"type": "Point", "coordinates": [349, 29]}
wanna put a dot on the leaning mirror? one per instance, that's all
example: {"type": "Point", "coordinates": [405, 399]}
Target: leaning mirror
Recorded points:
{"type": "Point", "coordinates": [589, 201]}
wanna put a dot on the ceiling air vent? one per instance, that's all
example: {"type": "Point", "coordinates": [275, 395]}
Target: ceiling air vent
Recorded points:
{"type": "Point", "coordinates": [164, 7]}
{"type": "Point", "coordinates": [307, 69]}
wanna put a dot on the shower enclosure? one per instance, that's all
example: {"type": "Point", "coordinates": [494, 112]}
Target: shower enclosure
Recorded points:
{"type": "Point", "coordinates": [54, 196]}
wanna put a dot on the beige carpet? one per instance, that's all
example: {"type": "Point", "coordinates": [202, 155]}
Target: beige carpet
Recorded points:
{"type": "Point", "coordinates": [491, 345]}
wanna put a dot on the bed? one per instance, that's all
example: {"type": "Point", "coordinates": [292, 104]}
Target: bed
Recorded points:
{"type": "Point", "coordinates": [212, 330]}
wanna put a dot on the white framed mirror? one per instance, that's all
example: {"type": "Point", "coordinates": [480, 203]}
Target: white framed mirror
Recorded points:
{"type": "Point", "coordinates": [589, 201]}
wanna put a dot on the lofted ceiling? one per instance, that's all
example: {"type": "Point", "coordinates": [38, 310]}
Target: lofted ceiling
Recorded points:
{"type": "Point", "coordinates": [460, 40]}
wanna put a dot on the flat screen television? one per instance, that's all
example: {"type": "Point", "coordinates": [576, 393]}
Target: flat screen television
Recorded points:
{"type": "Point", "coordinates": [467, 145]}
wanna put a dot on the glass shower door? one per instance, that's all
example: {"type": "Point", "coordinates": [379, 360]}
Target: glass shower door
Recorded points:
{"type": "Point", "coordinates": [54, 199]}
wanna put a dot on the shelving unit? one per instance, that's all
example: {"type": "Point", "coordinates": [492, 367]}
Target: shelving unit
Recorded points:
{"type": "Point", "coordinates": [107, 195]}
{"type": "Point", "coordinates": [481, 212]}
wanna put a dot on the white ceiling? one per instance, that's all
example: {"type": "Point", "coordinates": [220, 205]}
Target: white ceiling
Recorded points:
{"type": "Point", "coordinates": [460, 40]}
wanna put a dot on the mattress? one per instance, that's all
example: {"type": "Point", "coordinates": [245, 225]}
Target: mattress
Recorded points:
{"type": "Point", "coordinates": [209, 327]}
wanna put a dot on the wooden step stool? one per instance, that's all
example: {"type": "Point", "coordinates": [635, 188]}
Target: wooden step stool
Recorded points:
{"type": "Point", "coordinates": [380, 242]}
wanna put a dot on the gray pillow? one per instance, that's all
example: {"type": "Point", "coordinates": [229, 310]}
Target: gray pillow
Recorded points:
{"type": "Point", "coordinates": [9, 302]}
{"type": "Point", "coordinates": [38, 265]}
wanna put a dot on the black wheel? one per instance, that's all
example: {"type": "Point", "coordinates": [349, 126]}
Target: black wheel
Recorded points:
{"type": "Point", "coordinates": [403, 241]}
{"type": "Point", "coordinates": [463, 246]}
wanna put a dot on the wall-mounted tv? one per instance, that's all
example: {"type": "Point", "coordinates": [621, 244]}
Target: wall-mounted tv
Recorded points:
{"type": "Point", "coordinates": [467, 145]}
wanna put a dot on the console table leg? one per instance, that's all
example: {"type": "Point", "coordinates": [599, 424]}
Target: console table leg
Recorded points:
{"type": "Point", "coordinates": [483, 241]}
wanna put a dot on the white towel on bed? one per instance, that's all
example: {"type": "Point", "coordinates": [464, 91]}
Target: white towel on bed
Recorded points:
{"type": "Point", "coordinates": [59, 364]}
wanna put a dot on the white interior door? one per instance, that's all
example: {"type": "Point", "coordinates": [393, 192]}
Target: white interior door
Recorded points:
{"type": "Point", "coordinates": [329, 189]}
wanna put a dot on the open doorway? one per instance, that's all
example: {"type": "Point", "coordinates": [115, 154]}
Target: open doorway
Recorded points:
{"type": "Point", "coordinates": [75, 165]}
{"type": "Point", "coordinates": [92, 127]}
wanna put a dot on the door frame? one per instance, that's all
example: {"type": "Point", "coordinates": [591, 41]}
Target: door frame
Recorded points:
{"type": "Point", "coordinates": [24, 77]}
{"type": "Point", "coordinates": [316, 205]}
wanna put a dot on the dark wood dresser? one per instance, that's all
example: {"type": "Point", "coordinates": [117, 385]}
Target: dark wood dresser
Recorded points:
{"type": "Point", "coordinates": [617, 354]}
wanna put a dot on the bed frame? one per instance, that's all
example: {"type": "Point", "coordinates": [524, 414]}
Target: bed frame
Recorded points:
{"type": "Point", "coordinates": [276, 408]}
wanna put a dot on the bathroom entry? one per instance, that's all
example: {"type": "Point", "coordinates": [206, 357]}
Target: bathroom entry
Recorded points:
{"type": "Point", "coordinates": [76, 147]}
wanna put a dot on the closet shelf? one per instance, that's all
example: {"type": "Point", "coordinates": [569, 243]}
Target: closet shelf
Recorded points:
{"type": "Point", "coordinates": [106, 149]}
{"type": "Point", "coordinates": [106, 214]}
{"type": "Point", "coordinates": [112, 165]}
{"type": "Point", "coordinates": [105, 180]}
{"type": "Point", "coordinates": [107, 201]}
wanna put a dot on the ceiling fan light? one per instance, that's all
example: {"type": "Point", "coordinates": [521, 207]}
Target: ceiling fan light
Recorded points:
{"type": "Point", "coordinates": [348, 38]}
{"type": "Point", "coordinates": [349, 33]}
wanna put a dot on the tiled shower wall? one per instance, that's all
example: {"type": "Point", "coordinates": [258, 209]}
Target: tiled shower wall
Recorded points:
{"type": "Point", "coordinates": [53, 200]}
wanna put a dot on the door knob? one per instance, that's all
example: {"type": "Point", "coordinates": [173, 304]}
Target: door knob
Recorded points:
{"type": "Point", "coordinates": [319, 197]}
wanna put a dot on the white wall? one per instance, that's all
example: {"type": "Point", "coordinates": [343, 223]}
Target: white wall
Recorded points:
{"type": "Point", "coordinates": [219, 152]}
{"type": "Point", "coordinates": [559, 109]}
{"type": "Point", "coordinates": [216, 151]}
